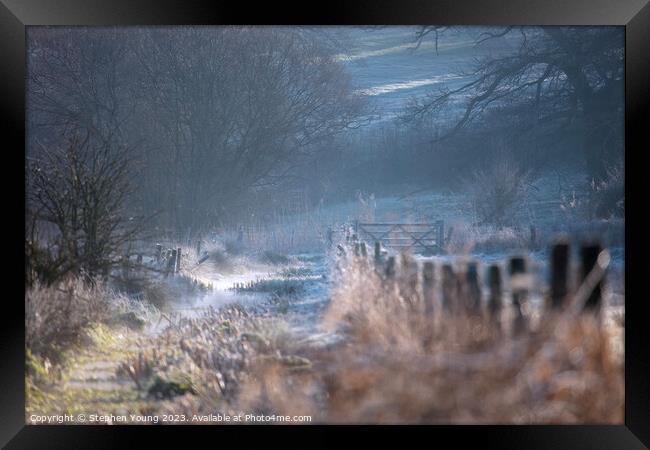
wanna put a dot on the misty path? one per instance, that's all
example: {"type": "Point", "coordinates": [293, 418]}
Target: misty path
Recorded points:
{"type": "Point", "coordinates": [94, 379]}
{"type": "Point", "coordinates": [306, 277]}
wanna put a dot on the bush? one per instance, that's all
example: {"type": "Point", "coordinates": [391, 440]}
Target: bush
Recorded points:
{"type": "Point", "coordinates": [57, 315]}
{"type": "Point", "coordinates": [608, 196]}
{"type": "Point", "coordinates": [76, 199]}
{"type": "Point", "coordinates": [600, 200]}
{"type": "Point", "coordinates": [497, 192]}
{"type": "Point", "coordinates": [487, 238]}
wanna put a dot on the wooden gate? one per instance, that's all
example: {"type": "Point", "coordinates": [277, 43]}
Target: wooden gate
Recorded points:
{"type": "Point", "coordinates": [422, 237]}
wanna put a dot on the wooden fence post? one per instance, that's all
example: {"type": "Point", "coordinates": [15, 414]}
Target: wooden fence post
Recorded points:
{"type": "Point", "coordinates": [171, 262]}
{"type": "Point", "coordinates": [473, 288]}
{"type": "Point", "coordinates": [390, 268]}
{"type": "Point", "coordinates": [178, 260]}
{"type": "Point", "coordinates": [440, 234]}
{"type": "Point", "coordinates": [517, 272]}
{"type": "Point", "coordinates": [496, 293]}
{"type": "Point", "coordinates": [559, 273]}
{"type": "Point", "coordinates": [450, 233]}
{"type": "Point", "coordinates": [428, 297]}
{"type": "Point", "coordinates": [364, 251]}
{"type": "Point", "coordinates": [427, 287]}
{"type": "Point", "coordinates": [533, 237]}
{"type": "Point", "coordinates": [448, 287]}
{"type": "Point", "coordinates": [377, 254]}
{"type": "Point", "coordinates": [589, 257]}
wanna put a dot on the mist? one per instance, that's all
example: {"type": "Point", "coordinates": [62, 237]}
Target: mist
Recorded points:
{"type": "Point", "coordinates": [184, 174]}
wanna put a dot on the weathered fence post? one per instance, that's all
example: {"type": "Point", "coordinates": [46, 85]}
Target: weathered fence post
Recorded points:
{"type": "Point", "coordinates": [390, 268]}
{"type": "Point", "coordinates": [448, 287]}
{"type": "Point", "coordinates": [473, 288]}
{"type": "Point", "coordinates": [517, 281]}
{"type": "Point", "coordinates": [427, 287]}
{"type": "Point", "coordinates": [450, 233]}
{"type": "Point", "coordinates": [559, 273]}
{"type": "Point", "coordinates": [440, 234]}
{"type": "Point", "coordinates": [158, 252]}
{"type": "Point", "coordinates": [377, 254]}
{"type": "Point", "coordinates": [198, 247]}
{"type": "Point", "coordinates": [178, 259]}
{"type": "Point", "coordinates": [428, 297]}
{"type": "Point", "coordinates": [533, 237]}
{"type": "Point", "coordinates": [496, 293]}
{"type": "Point", "coordinates": [171, 262]}
{"type": "Point", "coordinates": [364, 251]}
{"type": "Point", "coordinates": [589, 258]}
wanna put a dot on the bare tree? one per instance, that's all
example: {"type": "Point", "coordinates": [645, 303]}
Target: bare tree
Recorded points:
{"type": "Point", "coordinates": [213, 114]}
{"type": "Point", "coordinates": [565, 75]}
{"type": "Point", "coordinates": [77, 198]}
{"type": "Point", "coordinates": [239, 108]}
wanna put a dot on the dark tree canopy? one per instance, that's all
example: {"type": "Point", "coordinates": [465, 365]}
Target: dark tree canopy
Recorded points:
{"type": "Point", "coordinates": [555, 77]}
{"type": "Point", "coordinates": [214, 112]}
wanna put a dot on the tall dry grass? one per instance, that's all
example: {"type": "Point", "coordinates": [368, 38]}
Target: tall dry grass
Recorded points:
{"type": "Point", "coordinates": [57, 315]}
{"type": "Point", "coordinates": [400, 365]}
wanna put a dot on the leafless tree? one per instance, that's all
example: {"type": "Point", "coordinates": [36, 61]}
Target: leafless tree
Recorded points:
{"type": "Point", "coordinates": [564, 75]}
{"type": "Point", "coordinates": [238, 108]}
{"type": "Point", "coordinates": [77, 197]}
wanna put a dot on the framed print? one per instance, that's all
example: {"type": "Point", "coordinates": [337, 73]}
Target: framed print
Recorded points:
{"type": "Point", "coordinates": [419, 215]}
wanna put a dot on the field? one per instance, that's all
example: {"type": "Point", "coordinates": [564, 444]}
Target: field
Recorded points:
{"type": "Point", "coordinates": [338, 339]}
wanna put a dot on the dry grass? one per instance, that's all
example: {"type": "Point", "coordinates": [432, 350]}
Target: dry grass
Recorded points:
{"type": "Point", "coordinates": [396, 363]}
{"type": "Point", "coordinates": [57, 315]}
{"type": "Point", "coordinates": [219, 352]}
{"type": "Point", "coordinates": [399, 365]}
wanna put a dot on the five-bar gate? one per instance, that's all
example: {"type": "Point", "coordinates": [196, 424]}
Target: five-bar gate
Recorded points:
{"type": "Point", "coordinates": [425, 237]}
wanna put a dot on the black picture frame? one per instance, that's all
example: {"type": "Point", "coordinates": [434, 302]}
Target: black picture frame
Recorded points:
{"type": "Point", "coordinates": [634, 15]}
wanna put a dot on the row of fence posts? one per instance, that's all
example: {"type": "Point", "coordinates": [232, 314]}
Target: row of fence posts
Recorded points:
{"type": "Point", "coordinates": [463, 284]}
{"type": "Point", "coordinates": [169, 258]}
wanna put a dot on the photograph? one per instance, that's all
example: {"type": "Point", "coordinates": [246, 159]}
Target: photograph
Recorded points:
{"type": "Point", "coordinates": [325, 224]}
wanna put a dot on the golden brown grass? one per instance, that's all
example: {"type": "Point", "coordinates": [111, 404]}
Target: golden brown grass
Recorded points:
{"type": "Point", "coordinates": [396, 364]}
{"type": "Point", "coordinates": [400, 366]}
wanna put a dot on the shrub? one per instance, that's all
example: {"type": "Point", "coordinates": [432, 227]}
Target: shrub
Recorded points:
{"type": "Point", "coordinates": [600, 200]}
{"type": "Point", "coordinates": [57, 315]}
{"type": "Point", "coordinates": [76, 200]}
{"type": "Point", "coordinates": [608, 196]}
{"type": "Point", "coordinates": [497, 192]}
